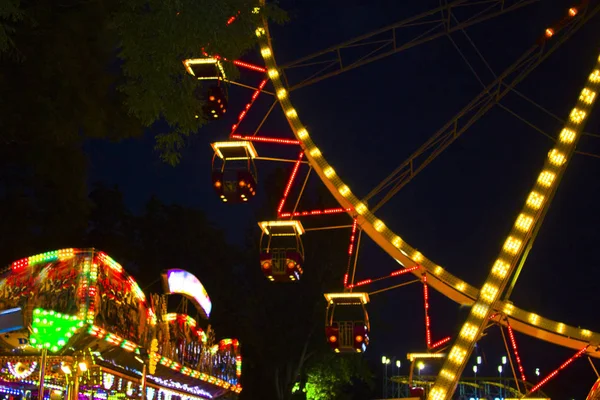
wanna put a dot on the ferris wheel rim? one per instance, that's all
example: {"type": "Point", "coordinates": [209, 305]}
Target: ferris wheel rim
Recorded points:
{"type": "Point", "coordinates": [440, 279]}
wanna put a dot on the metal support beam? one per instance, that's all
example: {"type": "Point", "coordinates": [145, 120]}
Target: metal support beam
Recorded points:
{"type": "Point", "coordinates": [483, 102]}
{"type": "Point", "coordinates": [393, 39]}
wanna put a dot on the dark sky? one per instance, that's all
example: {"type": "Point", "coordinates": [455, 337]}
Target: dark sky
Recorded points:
{"type": "Point", "coordinates": [459, 210]}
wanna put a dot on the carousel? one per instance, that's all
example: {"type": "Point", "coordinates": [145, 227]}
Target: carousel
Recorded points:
{"type": "Point", "coordinates": [75, 325]}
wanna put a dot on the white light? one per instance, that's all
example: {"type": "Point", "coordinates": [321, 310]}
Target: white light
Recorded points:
{"type": "Point", "coordinates": [475, 368]}
{"type": "Point", "coordinates": [500, 368]}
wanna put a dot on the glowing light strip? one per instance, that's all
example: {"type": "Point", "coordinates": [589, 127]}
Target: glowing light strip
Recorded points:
{"type": "Point", "coordinates": [24, 374]}
{"type": "Point", "coordinates": [441, 342]}
{"type": "Point", "coordinates": [232, 19]}
{"type": "Point", "coordinates": [49, 256]}
{"type": "Point", "coordinates": [295, 224]}
{"type": "Point", "coordinates": [416, 356]}
{"type": "Point", "coordinates": [363, 297]}
{"type": "Point", "coordinates": [352, 235]}
{"type": "Point", "coordinates": [556, 371]}
{"type": "Point", "coordinates": [426, 306]}
{"type": "Point", "coordinates": [239, 63]}
{"type": "Point", "coordinates": [249, 66]}
{"type": "Point", "coordinates": [337, 210]}
{"type": "Point", "coordinates": [167, 362]}
{"type": "Point", "coordinates": [290, 182]}
{"type": "Point", "coordinates": [501, 271]}
{"type": "Point", "coordinates": [391, 275]}
{"type": "Point", "coordinates": [249, 147]}
{"type": "Point", "coordinates": [209, 60]}
{"type": "Point", "coordinates": [346, 197]}
{"type": "Point", "coordinates": [179, 281]}
{"type": "Point", "coordinates": [513, 342]}
{"type": "Point", "coordinates": [350, 250]}
{"type": "Point", "coordinates": [265, 139]}
{"type": "Point", "coordinates": [248, 106]}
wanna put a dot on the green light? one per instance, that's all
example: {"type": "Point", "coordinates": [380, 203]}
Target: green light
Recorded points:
{"type": "Point", "coordinates": [53, 332]}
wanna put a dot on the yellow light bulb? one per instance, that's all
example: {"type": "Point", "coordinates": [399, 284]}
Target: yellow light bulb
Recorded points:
{"type": "Point", "coordinates": [500, 268]}
{"type": "Point", "coordinates": [560, 327]}
{"type": "Point", "coordinates": [281, 94]}
{"type": "Point", "coordinates": [595, 76]}
{"type": "Point", "coordinates": [360, 208]}
{"type": "Point", "coordinates": [315, 152]}
{"type": "Point", "coordinates": [397, 242]}
{"type": "Point", "coordinates": [379, 225]}
{"type": "Point", "coordinates": [535, 200]}
{"type": "Point", "coordinates": [291, 113]}
{"type": "Point", "coordinates": [329, 172]}
{"type": "Point", "coordinates": [533, 318]}
{"type": "Point", "coordinates": [577, 115]}
{"type": "Point", "coordinates": [587, 96]}
{"type": "Point", "coordinates": [302, 134]}
{"type": "Point", "coordinates": [344, 190]}
{"type": "Point", "coordinates": [489, 292]}
{"type": "Point", "coordinates": [509, 308]}
{"type": "Point", "coordinates": [524, 222]}
{"type": "Point", "coordinates": [479, 310]}
{"type": "Point", "coordinates": [417, 257]}
{"type": "Point", "coordinates": [512, 245]}
{"type": "Point", "coordinates": [469, 331]}
{"type": "Point", "coordinates": [438, 270]}
{"type": "Point", "coordinates": [567, 136]}
{"type": "Point", "coordinates": [447, 374]}
{"type": "Point", "coordinates": [546, 178]}
{"type": "Point", "coordinates": [457, 355]}
{"type": "Point", "coordinates": [437, 393]}
{"type": "Point", "coordinates": [556, 157]}
{"type": "Point", "coordinates": [273, 73]}
{"type": "Point", "coordinates": [266, 52]}
{"type": "Point", "coordinates": [259, 32]}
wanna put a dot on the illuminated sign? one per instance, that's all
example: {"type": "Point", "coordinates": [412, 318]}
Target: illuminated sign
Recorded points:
{"type": "Point", "coordinates": [178, 281]}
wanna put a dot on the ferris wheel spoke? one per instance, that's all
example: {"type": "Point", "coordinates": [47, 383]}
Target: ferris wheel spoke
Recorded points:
{"type": "Point", "coordinates": [395, 38]}
{"type": "Point", "coordinates": [517, 244]}
{"type": "Point", "coordinates": [483, 102]}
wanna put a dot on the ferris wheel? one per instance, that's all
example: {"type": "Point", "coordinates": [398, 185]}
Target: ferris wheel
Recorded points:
{"type": "Point", "coordinates": [235, 180]}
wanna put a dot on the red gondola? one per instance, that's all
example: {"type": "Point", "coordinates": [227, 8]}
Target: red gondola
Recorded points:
{"type": "Point", "coordinates": [233, 170]}
{"type": "Point", "coordinates": [347, 322]}
{"type": "Point", "coordinates": [281, 250]}
{"type": "Point", "coordinates": [215, 98]}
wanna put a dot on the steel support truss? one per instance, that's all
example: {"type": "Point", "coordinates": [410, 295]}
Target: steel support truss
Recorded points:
{"type": "Point", "coordinates": [483, 102]}
{"type": "Point", "coordinates": [450, 17]}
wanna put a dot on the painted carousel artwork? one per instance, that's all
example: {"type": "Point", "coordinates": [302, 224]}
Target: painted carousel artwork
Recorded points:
{"type": "Point", "coordinates": [75, 325]}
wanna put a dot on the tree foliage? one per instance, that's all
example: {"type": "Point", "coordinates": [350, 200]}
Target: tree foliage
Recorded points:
{"type": "Point", "coordinates": [331, 377]}
{"type": "Point", "coordinates": [75, 69]}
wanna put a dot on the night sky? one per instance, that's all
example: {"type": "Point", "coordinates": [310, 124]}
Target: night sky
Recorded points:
{"type": "Point", "coordinates": [460, 208]}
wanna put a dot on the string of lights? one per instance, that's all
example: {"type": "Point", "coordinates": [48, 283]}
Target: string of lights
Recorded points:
{"type": "Point", "coordinates": [391, 275]}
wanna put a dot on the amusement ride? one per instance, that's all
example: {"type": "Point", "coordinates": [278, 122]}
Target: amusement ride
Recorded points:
{"type": "Point", "coordinates": [178, 358]}
{"type": "Point", "coordinates": [347, 326]}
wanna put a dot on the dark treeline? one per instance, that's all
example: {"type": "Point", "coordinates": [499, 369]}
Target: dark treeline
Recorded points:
{"type": "Point", "coordinates": [280, 325]}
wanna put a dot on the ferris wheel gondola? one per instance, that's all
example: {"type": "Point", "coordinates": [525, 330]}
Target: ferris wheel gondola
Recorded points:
{"type": "Point", "coordinates": [234, 174]}
{"type": "Point", "coordinates": [281, 250]}
{"type": "Point", "coordinates": [347, 322]}
{"type": "Point", "coordinates": [215, 98]}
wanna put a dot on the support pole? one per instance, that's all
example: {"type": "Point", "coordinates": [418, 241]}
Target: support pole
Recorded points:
{"type": "Point", "coordinates": [42, 373]}
{"type": "Point", "coordinates": [144, 369]}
